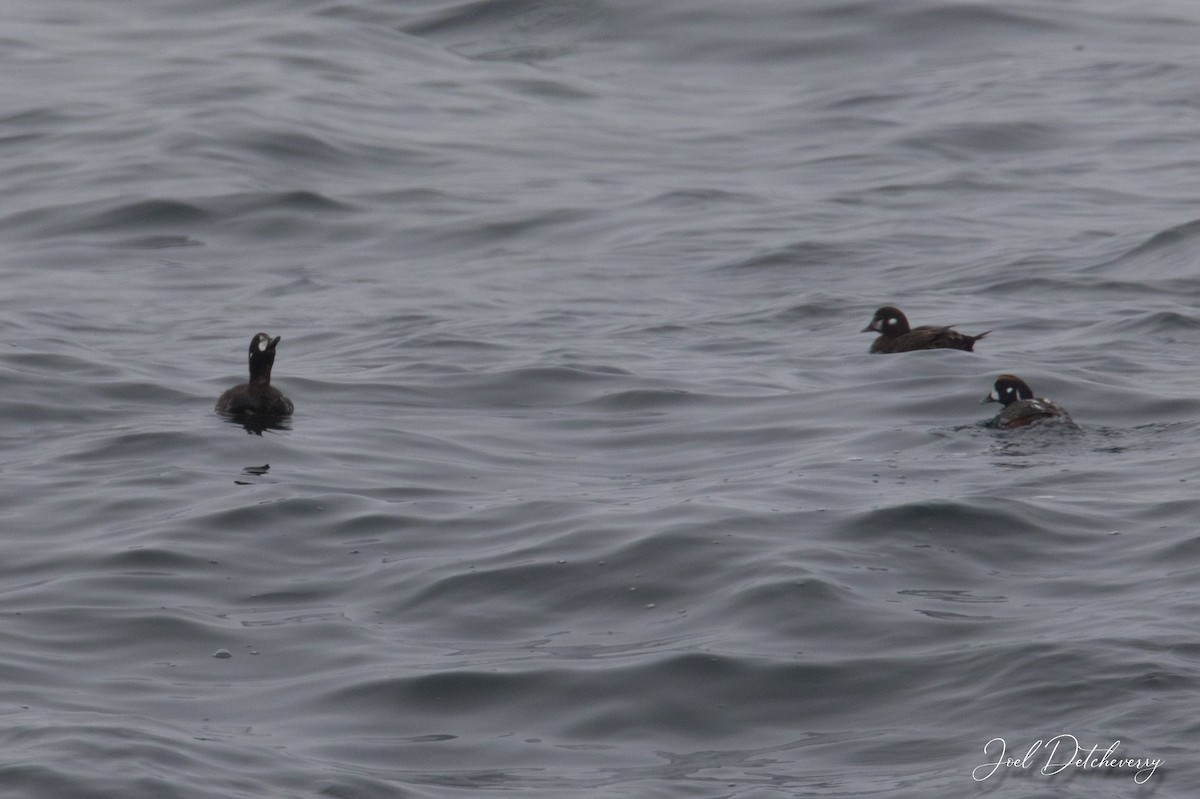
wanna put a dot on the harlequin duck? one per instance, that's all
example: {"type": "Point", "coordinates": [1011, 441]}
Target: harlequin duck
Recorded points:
{"type": "Point", "coordinates": [1020, 406]}
{"type": "Point", "coordinates": [896, 336]}
{"type": "Point", "coordinates": [258, 397]}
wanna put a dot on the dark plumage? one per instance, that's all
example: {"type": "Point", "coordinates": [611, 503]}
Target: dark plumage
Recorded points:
{"type": "Point", "coordinates": [1020, 406]}
{"type": "Point", "coordinates": [258, 397]}
{"type": "Point", "coordinates": [896, 336]}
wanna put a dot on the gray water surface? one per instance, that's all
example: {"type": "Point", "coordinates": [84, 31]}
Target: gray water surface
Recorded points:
{"type": "Point", "coordinates": [592, 489]}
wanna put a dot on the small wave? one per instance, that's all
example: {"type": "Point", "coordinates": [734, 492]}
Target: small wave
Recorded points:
{"type": "Point", "coordinates": [145, 213]}
{"type": "Point", "coordinates": [139, 215]}
{"type": "Point", "coordinates": [1155, 323]}
{"type": "Point", "coordinates": [543, 87]}
{"type": "Point", "coordinates": [643, 399]}
{"type": "Point", "coordinates": [293, 145]}
{"type": "Point", "coordinates": [1167, 255]}
{"type": "Point", "coordinates": [532, 386]}
{"type": "Point", "coordinates": [701, 197]}
{"type": "Point", "coordinates": [961, 20]}
{"type": "Point", "coordinates": [997, 530]}
{"type": "Point", "coordinates": [967, 140]}
{"type": "Point", "coordinates": [794, 256]}
{"type": "Point", "coordinates": [499, 18]}
{"type": "Point", "coordinates": [165, 242]}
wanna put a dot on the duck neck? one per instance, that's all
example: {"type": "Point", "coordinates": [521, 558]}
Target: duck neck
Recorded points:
{"type": "Point", "coordinates": [260, 367]}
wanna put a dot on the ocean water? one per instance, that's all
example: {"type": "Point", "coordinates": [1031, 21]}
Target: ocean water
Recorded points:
{"type": "Point", "coordinates": [592, 488]}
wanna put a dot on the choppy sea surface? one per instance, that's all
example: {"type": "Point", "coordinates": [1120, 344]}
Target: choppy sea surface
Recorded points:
{"type": "Point", "coordinates": [592, 488]}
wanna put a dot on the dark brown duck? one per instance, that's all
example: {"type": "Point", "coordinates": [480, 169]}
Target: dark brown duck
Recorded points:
{"type": "Point", "coordinates": [257, 397]}
{"type": "Point", "coordinates": [896, 336]}
{"type": "Point", "coordinates": [1020, 406]}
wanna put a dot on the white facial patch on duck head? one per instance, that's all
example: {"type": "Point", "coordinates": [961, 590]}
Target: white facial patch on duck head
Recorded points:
{"type": "Point", "coordinates": [263, 342]}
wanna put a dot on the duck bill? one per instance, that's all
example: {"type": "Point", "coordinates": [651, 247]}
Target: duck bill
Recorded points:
{"type": "Point", "coordinates": [991, 397]}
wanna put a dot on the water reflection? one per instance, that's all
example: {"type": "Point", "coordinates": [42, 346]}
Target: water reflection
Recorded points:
{"type": "Point", "coordinates": [257, 424]}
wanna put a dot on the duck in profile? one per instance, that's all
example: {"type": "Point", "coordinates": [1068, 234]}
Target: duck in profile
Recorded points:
{"type": "Point", "coordinates": [1020, 406]}
{"type": "Point", "coordinates": [258, 397]}
{"type": "Point", "coordinates": [896, 336]}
